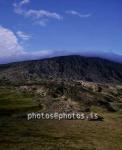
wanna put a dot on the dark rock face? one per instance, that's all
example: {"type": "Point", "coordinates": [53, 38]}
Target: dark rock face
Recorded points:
{"type": "Point", "coordinates": [65, 67]}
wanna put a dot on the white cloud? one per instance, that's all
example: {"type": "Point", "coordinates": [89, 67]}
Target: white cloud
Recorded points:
{"type": "Point", "coordinates": [39, 17]}
{"type": "Point", "coordinates": [22, 35]}
{"type": "Point", "coordinates": [37, 14]}
{"type": "Point", "coordinates": [42, 17]}
{"type": "Point", "coordinates": [23, 2]}
{"type": "Point", "coordinates": [9, 44]}
{"type": "Point", "coordinates": [11, 50]}
{"type": "Point", "coordinates": [73, 12]}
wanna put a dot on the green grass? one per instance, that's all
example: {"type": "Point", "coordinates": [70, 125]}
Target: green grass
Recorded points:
{"type": "Point", "coordinates": [11, 98]}
{"type": "Point", "coordinates": [15, 101]}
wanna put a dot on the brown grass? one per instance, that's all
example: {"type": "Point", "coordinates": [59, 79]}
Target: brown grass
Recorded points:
{"type": "Point", "coordinates": [20, 134]}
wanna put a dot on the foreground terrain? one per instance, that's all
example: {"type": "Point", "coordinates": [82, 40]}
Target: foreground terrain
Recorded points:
{"type": "Point", "coordinates": [20, 134]}
{"type": "Point", "coordinates": [17, 133]}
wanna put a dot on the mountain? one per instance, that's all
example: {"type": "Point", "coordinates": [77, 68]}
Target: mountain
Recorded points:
{"type": "Point", "coordinates": [73, 67]}
{"type": "Point", "coordinates": [62, 84]}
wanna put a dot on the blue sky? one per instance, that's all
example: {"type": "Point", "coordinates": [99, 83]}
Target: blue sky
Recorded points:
{"type": "Point", "coordinates": [42, 28]}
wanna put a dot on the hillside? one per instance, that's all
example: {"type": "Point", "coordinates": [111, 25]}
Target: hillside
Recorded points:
{"type": "Point", "coordinates": [58, 85]}
{"type": "Point", "coordinates": [72, 67]}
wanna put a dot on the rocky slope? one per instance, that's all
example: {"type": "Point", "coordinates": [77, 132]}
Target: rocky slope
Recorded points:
{"type": "Point", "coordinates": [65, 68]}
{"type": "Point", "coordinates": [75, 96]}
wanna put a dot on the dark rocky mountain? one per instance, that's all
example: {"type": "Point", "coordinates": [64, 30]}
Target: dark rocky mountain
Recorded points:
{"type": "Point", "coordinates": [72, 67]}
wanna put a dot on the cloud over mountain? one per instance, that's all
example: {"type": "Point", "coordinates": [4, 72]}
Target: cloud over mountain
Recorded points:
{"type": "Point", "coordinates": [11, 49]}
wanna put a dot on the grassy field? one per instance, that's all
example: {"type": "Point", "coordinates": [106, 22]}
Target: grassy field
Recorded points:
{"type": "Point", "coordinates": [17, 133]}
{"type": "Point", "coordinates": [20, 134]}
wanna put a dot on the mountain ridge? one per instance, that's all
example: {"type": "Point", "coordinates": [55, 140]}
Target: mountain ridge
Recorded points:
{"type": "Point", "coordinates": [72, 67]}
{"type": "Point", "coordinates": [61, 56]}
